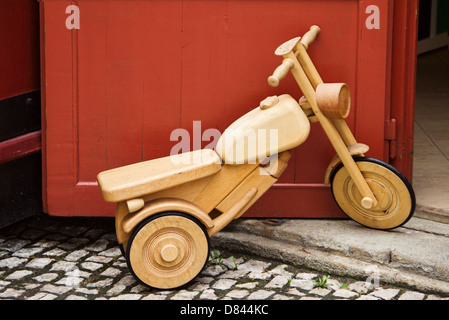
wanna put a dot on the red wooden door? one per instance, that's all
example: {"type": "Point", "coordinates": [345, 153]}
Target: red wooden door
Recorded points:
{"type": "Point", "coordinates": [116, 88]}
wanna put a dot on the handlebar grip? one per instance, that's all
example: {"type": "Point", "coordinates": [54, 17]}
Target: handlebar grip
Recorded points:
{"type": "Point", "coordinates": [280, 72]}
{"type": "Point", "coordinates": [310, 36]}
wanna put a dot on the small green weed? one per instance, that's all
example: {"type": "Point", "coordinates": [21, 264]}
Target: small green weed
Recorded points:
{"type": "Point", "coordinates": [344, 286]}
{"type": "Point", "coordinates": [235, 261]}
{"type": "Point", "coordinates": [321, 282]}
{"type": "Point", "coordinates": [216, 259]}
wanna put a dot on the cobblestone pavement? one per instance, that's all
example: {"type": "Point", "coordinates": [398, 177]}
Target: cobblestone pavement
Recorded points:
{"type": "Point", "coordinates": [54, 258]}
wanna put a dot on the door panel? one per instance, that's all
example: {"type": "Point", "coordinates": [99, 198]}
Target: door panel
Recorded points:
{"type": "Point", "coordinates": [137, 70]}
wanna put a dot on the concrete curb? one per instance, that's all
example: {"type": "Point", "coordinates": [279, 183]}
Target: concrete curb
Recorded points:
{"type": "Point", "coordinates": [432, 213]}
{"type": "Point", "coordinates": [413, 256]}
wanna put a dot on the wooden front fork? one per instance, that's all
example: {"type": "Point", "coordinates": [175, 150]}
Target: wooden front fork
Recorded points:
{"type": "Point", "coordinates": [337, 131]}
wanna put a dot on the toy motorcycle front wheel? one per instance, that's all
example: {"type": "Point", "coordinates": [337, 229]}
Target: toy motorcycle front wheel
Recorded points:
{"type": "Point", "coordinates": [167, 250]}
{"type": "Point", "coordinates": [394, 194]}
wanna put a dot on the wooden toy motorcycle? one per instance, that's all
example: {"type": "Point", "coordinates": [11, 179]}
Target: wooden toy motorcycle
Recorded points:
{"type": "Point", "coordinates": [168, 208]}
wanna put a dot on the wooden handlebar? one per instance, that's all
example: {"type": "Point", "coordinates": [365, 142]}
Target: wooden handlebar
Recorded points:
{"type": "Point", "coordinates": [286, 48]}
{"type": "Point", "coordinates": [310, 36]}
{"type": "Point", "coordinates": [280, 72]}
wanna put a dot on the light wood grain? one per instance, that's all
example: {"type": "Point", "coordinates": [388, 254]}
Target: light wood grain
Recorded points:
{"type": "Point", "coordinates": [278, 164]}
{"type": "Point", "coordinates": [249, 139]}
{"type": "Point", "coordinates": [344, 131]}
{"type": "Point", "coordinates": [222, 184]}
{"type": "Point", "coordinates": [168, 252]}
{"type": "Point", "coordinates": [226, 217]}
{"type": "Point", "coordinates": [334, 100]}
{"type": "Point", "coordinates": [315, 79]}
{"type": "Point", "coordinates": [307, 108]}
{"type": "Point", "coordinates": [280, 72]}
{"type": "Point", "coordinates": [135, 204]}
{"type": "Point", "coordinates": [330, 130]}
{"type": "Point", "coordinates": [358, 149]}
{"type": "Point", "coordinates": [263, 183]}
{"type": "Point", "coordinates": [287, 46]}
{"type": "Point", "coordinates": [130, 221]}
{"type": "Point", "coordinates": [139, 179]}
{"type": "Point", "coordinates": [121, 210]}
{"type": "Point", "coordinates": [310, 36]}
{"type": "Point", "coordinates": [186, 191]}
{"type": "Point", "coordinates": [393, 204]}
{"type": "Point", "coordinates": [269, 102]}
{"type": "Point", "coordinates": [308, 65]}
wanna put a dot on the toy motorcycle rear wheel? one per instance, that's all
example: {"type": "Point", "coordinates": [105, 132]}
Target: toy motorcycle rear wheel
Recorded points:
{"type": "Point", "coordinates": [167, 250]}
{"type": "Point", "coordinates": [394, 194]}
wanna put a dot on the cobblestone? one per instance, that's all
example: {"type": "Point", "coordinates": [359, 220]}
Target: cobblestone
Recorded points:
{"type": "Point", "coordinates": [49, 258]}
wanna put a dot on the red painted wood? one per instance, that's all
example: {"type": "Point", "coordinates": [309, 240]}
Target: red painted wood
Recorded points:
{"type": "Point", "coordinates": [58, 111]}
{"type": "Point", "coordinates": [373, 89]}
{"type": "Point", "coordinates": [20, 146]}
{"type": "Point", "coordinates": [137, 70]}
{"type": "Point", "coordinates": [19, 39]}
{"type": "Point", "coordinates": [403, 82]}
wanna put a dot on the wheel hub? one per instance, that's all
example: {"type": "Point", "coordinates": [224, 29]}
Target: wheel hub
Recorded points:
{"type": "Point", "coordinates": [383, 196]}
{"type": "Point", "coordinates": [169, 253]}
{"type": "Point", "coordinates": [168, 250]}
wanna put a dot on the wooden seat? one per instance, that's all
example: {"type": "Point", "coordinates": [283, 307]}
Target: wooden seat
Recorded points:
{"type": "Point", "coordinates": [139, 179]}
